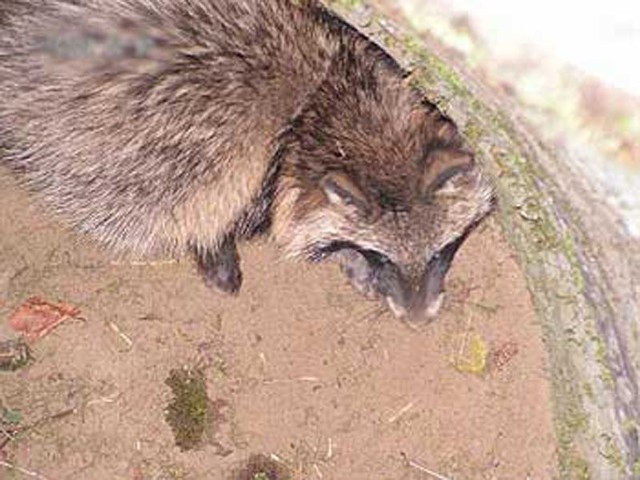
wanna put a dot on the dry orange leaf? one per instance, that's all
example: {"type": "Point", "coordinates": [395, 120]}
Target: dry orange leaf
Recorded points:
{"type": "Point", "coordinates": [35, 318]}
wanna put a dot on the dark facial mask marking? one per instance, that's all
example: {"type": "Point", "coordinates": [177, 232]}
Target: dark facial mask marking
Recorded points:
{"type": "Point", "coordinates": [429, 297]}
{"type": "Point", "coordinates": [369, 272]}
{"type": "Point", "coordinates": [376, 276]}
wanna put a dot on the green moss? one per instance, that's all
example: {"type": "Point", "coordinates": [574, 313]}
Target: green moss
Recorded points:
{"type": "Point", "coordinates": [630, 426]}
{"type": "Point", "coordinates": [601, 357]}
{"type": "Point", "coordinates": [431, 67]}
{"type": "Point", "coordinates": [14, 354]}
{"type": "Point", "coordinates": [588, 391]}
{"type": "Point", "coordinates": [569, 248]}
{"type": "Point", "coordinates": [579, 469]}
{"type": "Point", "coordinates": [187, 413]}
{"type": "Point", "coordinates": [575, 420]}
{"type": "Point", "coordinates": [518, 191]}
{"type": "Point", "coordinates": [612, 453]}
{"type": "Point", "coordinates": [261, 467]}
{"type": "Point", "coordinates": [473, 132]}
{"type": "Point", "coordinates": [571, 421]}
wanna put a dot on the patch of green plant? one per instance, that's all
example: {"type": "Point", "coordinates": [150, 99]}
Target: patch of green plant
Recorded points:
{"type": "Point", "coordinates": [14, 354]}
{"type": "Point", "coordinates": [610, 451]}
{"type": "Point", "coordinates": [261, 467]}
{"type": "Point", "coordinates": [188, 411]}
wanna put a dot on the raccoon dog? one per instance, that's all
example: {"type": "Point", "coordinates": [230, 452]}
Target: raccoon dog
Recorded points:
{"type": "Point", "coordinates": [174, 126]}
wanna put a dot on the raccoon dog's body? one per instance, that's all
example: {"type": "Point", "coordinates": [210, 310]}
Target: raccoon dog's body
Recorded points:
{"type": "Point", "coordinates": [184, 125]}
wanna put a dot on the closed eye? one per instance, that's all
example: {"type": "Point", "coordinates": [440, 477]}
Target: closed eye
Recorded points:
{"type": "Point", "coordinates": [374, 257]}
{"type": "Point", "coordinates": [446, 253]}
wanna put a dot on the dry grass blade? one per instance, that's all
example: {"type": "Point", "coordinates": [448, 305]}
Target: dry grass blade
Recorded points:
{"type": "Point", "coordinates": [373, 313]}
{"type": "Point", "coordinates": [422, 469]}
{"type": "Point", "coordinates": [23, 471]}
{"type": "Point", "coordinates": [292, 380]}
{"type": "Point", "coordinates": [401, 412]}
{"type": "Point", "coordinates": [6, 433]}
{"type": "Point", "coordinates": [116, 329]}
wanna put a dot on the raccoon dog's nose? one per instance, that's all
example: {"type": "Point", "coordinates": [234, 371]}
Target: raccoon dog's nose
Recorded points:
{"type": "Point", "coordinates": [422, 312]}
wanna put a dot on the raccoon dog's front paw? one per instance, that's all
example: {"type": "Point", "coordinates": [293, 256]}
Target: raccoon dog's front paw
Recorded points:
{"type": "Point", "coordinates": [220, 269]}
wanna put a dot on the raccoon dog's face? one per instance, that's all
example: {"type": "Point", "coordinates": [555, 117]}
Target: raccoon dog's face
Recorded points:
{"type": "Point", "coordinates": [394, 249]}
{"type": "Point", "coordinates": [378, 179]}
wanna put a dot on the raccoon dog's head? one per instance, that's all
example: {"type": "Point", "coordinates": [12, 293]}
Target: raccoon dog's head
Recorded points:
{"type": "Point", "coordinates": [379, 181]}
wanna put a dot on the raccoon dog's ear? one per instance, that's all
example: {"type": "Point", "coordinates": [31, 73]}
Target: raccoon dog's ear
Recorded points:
{"type": "Point", "coordinates": [343, 193]}
{"type": "Point", "coordinates": [441, 166]}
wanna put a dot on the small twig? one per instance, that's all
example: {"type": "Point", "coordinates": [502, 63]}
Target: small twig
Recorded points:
{"type": "Point", "coordinates": [401, 412]}
{"type": "Point", "coordinates": [467, 330]}
{"type": "Point", "coordinates": [11, 436]}
{"type": "Point", "coordinates": [96, 401]}
{"type": "Point", "coordinates": [411, 325]}
{"type": "Point", "coordinates": [276, 458]}
{"type": "Point", "coordinates": [8, 437]}
{"type": "Point", "coordinates": [373, 313]}
{"type": "Point", "coordinates": [291, 380]}
{"type": "Point", "coordinates": [329, 449]}
{"type": "Point", "coordinates": [24, 471]}
{"type": "Point", "coordinates": [422, 469]}
{"type": "Point", "coordinates": [120, 333]}
{"type": "Point", "coordinates": [47, 419]}
{"type": "Point", "coordinates": [317, 470]}
{"type": "Point", "coordinates": [7, 434]}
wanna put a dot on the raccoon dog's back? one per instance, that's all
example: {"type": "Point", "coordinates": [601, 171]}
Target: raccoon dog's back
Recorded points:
{"type": "Point", "coordinates": [150, 123]}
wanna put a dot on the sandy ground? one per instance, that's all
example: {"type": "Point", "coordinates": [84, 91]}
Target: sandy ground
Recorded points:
{"type": "Point", "coordinates": [298, 368]}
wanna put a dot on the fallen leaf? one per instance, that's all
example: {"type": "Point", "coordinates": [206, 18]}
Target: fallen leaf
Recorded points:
{"type": "Point", "coordinates": [35, 318]}
{"type": "Point", "coordinates": [473, 358]}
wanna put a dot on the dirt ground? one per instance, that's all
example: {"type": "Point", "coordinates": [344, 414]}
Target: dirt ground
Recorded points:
{"type": "Point", "coordinates": [299, 370]}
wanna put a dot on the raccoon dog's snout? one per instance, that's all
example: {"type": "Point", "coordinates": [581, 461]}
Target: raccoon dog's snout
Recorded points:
{"type": "Point", "coordinates": [407, 297]}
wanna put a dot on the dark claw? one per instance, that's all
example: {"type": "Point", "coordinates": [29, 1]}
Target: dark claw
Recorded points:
{"type": "Point", "coordinates": [221, 269]}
